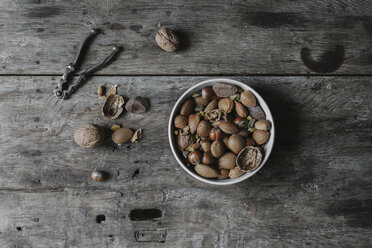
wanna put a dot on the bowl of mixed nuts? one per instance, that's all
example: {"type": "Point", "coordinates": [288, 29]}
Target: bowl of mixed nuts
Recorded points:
{"type": "Point", "coordinates": [221, 131]}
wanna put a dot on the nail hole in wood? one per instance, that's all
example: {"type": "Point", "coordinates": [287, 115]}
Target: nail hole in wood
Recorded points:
{"type": "Point", "coordinates": [19, 228]}
{"type": "Point", "coordinates": [144, 214]}
{"type": "Point", "coordinates": [100, 218]}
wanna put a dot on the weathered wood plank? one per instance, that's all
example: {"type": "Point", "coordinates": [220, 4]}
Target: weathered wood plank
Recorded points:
{"type": "Point", "coordinates": [314, 191]}
{"type": "Point", "coordinates": [222, 37]}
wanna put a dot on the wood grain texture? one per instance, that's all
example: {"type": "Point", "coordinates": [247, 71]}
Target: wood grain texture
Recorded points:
{"type": "Point", "coordinates": [220, 37]}
{"type": "Point", "coordinates": [315, 190]}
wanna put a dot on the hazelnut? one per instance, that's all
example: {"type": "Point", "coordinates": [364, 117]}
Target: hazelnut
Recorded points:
{"type": "Point", "coordinates": [261, 137]}
{"type": "Point", "coordinates": [250, 142]}
{"type": "Point", "coordinates": [227, 161]}
{"type": "Point", "coordinates": [194, 157]}
{"type": "Point", "coordinates": [215, 134]}
{"type": "Point", "coordinates": [203, 129]}
{"type": "Point", "coordinates": [224, 174]}
{"type": "Point", "coordinates": [236, 143]}
{"type": "Point", "coordinates": [122, 135]}
{"type": "Point", "coordinates": [240, 122]}
{"type": "Point", "coordinates": [228, 127]}
{"type": "Point", "coordinates": [208, 93]}
{"type": "Point", "coordinates": [194, 120]}
{"type": "Point", "coordinates": [98, 176]}
{"type": "Point", "coordinates": [207, 158]}
{"type": "Point", "coordinates": [226, 104]}
{"type": "Point", "coordinates": [262, 125]}
{"type": "Point", "coordinates": [187, 107]}
{"type": "Point", "coordinates": [89, 135]}
{"type": "Point", "coordinates": [199, 100]}
{"type": "Point", "coordinates": [217, 148]}
{"type": "Point", "coordinates": [180, 121]}
{"type": "Point", "coordinates": [248, 99]}
{"type": "Point", "coordinates": [167, 40]}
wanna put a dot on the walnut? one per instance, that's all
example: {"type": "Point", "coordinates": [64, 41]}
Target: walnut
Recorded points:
{"type": "Point", "coordinates": [89, 135]}
{"type": "Point", "coordinates": [167, 40]}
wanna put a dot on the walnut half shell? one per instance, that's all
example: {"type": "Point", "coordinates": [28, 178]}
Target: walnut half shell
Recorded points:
{"type": "Point", "coordinates": [113, 107]}
{"type": "Point", "coordinates": [249, 158]}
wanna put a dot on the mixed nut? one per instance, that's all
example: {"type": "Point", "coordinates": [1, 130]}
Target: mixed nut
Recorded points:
{"type": "Point", "coordinates": [221, 131]}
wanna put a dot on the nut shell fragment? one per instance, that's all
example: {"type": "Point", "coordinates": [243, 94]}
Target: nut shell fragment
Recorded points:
{"type": "Point", "coordinates": [236, 172]}
{"type": "Point", "coordinates": [89, 135]}
{"type": "Point", "coordinates": [112, 107]}
{"type": "Point", "coordinates": [137, 105]}
{"type": "Point", "coordinates": [136, 136]}
{"type": "Point", "coordinates": [206, 171]}
{"type": "Point", "coordinates": [249, 158]}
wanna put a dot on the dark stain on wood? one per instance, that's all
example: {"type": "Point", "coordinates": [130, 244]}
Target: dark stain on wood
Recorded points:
{"type": "Point", "coordinates": [150, 236]}
{"type": "Point", "coordinates": [135, 173]}
{"type": "Point", "coordinates": [100, 218]}
{"type": "Point", "coordinates": [31, 153]}
{"type": "Point", "coordinates": [39, 30]}
{"type": "Point", "coordinates": [330, 61]}
{"type": "Point", "coordinates": [135, 28]}
{"type": "Point", "coordinates": [357, 213]}
{"type": "Point", "coordinates": [116, 26]}
{"type": "Point", "coordinates": [42, 12]}
{"type": "Point", "coordinates": [316, 87]}
{"type": "Point", "coordinates": [274, 20]}
{"type": "Point", "coordinates": [145, 214]}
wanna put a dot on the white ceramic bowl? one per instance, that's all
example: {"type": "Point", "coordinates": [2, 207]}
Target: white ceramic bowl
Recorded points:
{"type": "Point", "coordinates": [173, 142]}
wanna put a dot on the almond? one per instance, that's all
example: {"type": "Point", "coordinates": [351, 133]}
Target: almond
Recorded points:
{"type": "Point", "coordinates": [248, 99]}
{"type": "Point", "coordinates": [261, 137]}
{"type": "Point", "coordinates": [212, 105]}
{"type": "Point", "coordinates": [241, 110]}
{"type": "Point", "coordinates": [187, 107]}
{"type": "Point", "coordinates": [194, 120]}
{"type": "Point", "coordinates": [226, 104]}
{"type": "Point", "coordinates": [203, 129]}
{"type": "Point", "coordinates": [206, 171]}
{"type": "Point", "coordinates": [262, 125]}
{"type": "Point", "coordinates": [228, 127]}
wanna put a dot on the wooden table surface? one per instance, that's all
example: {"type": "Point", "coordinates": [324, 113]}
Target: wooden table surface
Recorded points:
{"type": "Point", "coordinates": [310, 60]}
